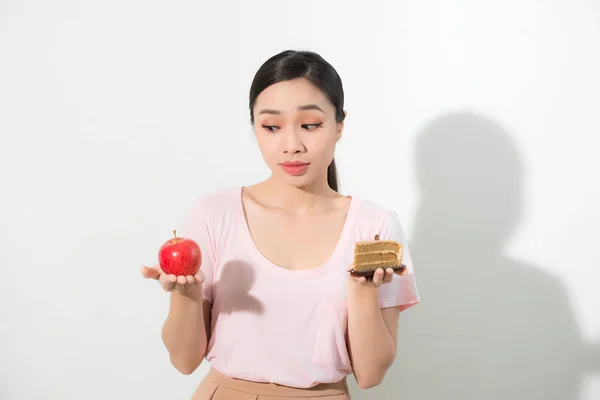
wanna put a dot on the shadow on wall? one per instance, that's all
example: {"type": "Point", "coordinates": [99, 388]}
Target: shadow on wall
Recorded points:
{"type": "Point", "coordinates": [489, 326]}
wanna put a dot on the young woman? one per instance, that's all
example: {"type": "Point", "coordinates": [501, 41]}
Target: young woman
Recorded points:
{"type": "Point", "coordinates": [273, 308]}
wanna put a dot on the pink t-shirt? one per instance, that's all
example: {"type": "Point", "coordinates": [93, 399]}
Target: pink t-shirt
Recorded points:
{"type": "Point", "coordinates": [271, 324]}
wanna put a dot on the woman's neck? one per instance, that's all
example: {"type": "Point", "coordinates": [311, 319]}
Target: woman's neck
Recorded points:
{"type": "Point", "coordinates": [296, 200]}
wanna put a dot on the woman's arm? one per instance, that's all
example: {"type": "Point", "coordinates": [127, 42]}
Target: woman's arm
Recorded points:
{"type": "Point", "coordinates": [372, 334]}
{"type": "Point", "coordinates": [186, 331]}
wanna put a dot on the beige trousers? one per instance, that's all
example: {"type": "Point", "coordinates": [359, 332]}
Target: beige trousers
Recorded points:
{"type": "Point", "coordinates": [217, 386]}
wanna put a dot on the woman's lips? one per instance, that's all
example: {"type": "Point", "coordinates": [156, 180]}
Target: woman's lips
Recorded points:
{"type": "Point", "coordinates": [294, 167]}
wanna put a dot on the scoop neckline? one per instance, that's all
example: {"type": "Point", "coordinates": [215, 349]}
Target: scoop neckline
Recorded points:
{"type": "Point", "coordinates": [320, 270]}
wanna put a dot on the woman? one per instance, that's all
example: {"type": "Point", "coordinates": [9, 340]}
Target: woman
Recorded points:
{"type": "Point", "coordinates": [273, 308]}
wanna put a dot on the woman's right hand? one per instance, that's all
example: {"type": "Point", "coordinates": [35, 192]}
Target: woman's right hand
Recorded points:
{"type": "Point", "coordinates": [188, 285]}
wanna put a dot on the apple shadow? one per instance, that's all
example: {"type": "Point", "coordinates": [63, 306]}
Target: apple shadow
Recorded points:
{"type": "Point", "coordinates": [489, 326]}
{"type": "Point", "coordinates": [231, 290]}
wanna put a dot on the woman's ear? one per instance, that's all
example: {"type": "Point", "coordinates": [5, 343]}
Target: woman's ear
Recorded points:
{"type": "Point", "coordinates": [341, 127]}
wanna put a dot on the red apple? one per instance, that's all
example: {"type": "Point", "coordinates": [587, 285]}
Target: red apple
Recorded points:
{"type": "Point", "coordinates": [180, 256]}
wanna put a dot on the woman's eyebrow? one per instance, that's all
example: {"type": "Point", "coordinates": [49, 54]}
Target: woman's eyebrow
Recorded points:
{"type": "Point", "coordinates": [300, 108]}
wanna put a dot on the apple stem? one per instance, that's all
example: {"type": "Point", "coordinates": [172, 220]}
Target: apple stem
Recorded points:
{"type": "Point", "coordinates": [175, 233]}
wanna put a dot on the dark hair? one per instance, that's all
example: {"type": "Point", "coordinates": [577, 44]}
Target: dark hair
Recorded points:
{"type": "Point", "coordinates": [292, 64]}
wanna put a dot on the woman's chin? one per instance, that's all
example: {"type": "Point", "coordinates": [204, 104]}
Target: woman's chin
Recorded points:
{"type": "Point", "coordinates": [297, 181]}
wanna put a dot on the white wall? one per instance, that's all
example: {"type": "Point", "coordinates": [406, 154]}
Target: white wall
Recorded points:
{"type": "Point", "coordinates": [479, 117]}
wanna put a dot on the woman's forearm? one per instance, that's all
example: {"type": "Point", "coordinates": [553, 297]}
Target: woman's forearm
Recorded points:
{"type": "Point", "coordinates": [184, 333]}
{"type": "Point", "coordinates": [371, 346]}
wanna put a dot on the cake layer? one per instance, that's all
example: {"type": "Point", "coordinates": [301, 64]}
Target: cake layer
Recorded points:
{"type": "Point", "coordinates": [375, 256]}
{"type": "Point", "coordinates": [379, 245]}
{"type": "Point", "coordinates": [375, 265]}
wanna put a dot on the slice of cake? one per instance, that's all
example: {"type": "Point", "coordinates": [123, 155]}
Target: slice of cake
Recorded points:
{"type": "Point", "coordinates": [373, 254]}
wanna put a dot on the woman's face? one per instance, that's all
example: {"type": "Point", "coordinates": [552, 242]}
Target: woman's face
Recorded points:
{"type": "Point", "coordinates": [296, 131]}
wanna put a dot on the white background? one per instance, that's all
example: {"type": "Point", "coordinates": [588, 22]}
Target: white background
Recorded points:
{"type": "Point", "coordinates": [477, 121]}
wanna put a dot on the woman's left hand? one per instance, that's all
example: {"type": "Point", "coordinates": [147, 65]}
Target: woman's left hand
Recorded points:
{"type": "Point", "coordinates": [380, 277]}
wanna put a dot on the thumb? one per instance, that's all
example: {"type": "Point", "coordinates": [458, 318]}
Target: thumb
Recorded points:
{"type": "Point", "coordinates": [150, 273]}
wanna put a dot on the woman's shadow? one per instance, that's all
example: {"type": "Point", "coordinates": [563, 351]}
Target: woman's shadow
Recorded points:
{"type": "Point", "coordinates": [232, 290]}
{"type": "Point", "coordinates": [489, 326]}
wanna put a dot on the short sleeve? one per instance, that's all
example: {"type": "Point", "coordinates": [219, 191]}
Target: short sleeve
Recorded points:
{"type": "Point", "coordinates": [196, 227]}
{"type": "Point", "coordinates": [402, 290]}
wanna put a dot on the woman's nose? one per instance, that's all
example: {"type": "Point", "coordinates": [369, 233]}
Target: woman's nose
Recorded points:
{"type": "Point", "coordinates": [292, 143]}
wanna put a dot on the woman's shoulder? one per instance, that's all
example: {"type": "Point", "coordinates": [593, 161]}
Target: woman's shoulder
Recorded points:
{"type": "Point", "coordinates": [370, 210]}
{"type": "Point", "coordinates": [217, 203]}
{"type": "Point", "coordinates": [219, 196]}
{"type": "Point", "coordinates": [375, 218]}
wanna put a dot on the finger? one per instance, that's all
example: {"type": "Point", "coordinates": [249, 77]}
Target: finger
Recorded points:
{"type": "Point", "coordinates": [378, 276]}
{"type": "Point", "coordinates": [190, 279]}
{"type": "Point", "coordinates": [389, 274]}
{"type": "Point", "coordinates": [150, 273]}
{"type": "Point", "coordinates": [181, 279]}
{"type": "Point", "coordinates": [167, 283]}
{"type": "Point", "coordinates": [199, 277]}
{"type": "Point", "coordinates": [171, 278]}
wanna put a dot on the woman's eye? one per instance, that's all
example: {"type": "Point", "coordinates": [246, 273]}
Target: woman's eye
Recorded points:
{"type": "Point", "coordinates": [270, 128]}
{"type": "Point", "coordinates": [312, 126]}
{"type": "Point", "coordinates": [274, 128]}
